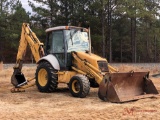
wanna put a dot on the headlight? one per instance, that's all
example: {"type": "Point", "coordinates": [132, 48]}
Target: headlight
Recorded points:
{"type": "Point", "coordinates": [103, 66]}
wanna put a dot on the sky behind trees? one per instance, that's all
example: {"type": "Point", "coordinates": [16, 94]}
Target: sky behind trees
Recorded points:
{"type": "Point", "coordinates": [26, 6]}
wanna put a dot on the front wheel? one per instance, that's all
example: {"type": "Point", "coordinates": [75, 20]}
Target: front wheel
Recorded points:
{"type": "Point", "coordinates": [79, 86]}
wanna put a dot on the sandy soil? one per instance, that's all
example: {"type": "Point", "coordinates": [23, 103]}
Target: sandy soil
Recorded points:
{"type": "Point", "coordinates": [62, 106]}
{"type": "Point", "coordinates": [1, 65]}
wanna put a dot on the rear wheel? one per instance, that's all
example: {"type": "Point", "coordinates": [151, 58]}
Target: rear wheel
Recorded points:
{"type": "Point", "coordinates": [46, 77]}
{"type": "Point", "coordinates": [79, 86]}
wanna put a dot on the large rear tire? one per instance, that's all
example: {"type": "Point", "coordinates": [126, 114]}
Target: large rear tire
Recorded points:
{"type": "Point", "coordinates": [79, 86]}
{"type": "Point", "coordinates": [46, 77]}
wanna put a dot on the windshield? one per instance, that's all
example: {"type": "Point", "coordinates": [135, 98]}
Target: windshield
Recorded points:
{"type": "Point", "coordinates": [76, 40]}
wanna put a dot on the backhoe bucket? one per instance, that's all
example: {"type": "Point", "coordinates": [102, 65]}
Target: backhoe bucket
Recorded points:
{"type": "Point", "coordinates": [18, 78]}
{"type": "Point", "coordinates": [123, 87]}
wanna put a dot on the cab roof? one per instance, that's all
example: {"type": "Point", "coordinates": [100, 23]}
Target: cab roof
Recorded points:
{"type": "Point", "coordinates": [62, 28]}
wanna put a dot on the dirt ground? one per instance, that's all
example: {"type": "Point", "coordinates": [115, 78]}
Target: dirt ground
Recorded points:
{"type": "Point", "coordinates": [60, 105]}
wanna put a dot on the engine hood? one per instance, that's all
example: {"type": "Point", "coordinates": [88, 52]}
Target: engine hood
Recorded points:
{"type": "Point", "coordinates": [89, 57]}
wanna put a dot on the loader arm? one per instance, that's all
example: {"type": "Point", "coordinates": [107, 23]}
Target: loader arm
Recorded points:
{"type": "Point", "coordinates": [27, 38]}
{"type": "Point", "coordinates": [115, 86]}
{"type": "Point", "coordinates": [92, 71]}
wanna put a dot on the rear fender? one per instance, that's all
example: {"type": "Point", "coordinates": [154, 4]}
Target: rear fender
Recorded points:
{"type": "Point", "coordinates": [52, 60]}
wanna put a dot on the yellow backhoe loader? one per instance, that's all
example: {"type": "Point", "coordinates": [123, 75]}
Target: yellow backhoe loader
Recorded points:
{"type": "Point", "coordinates": [68, 59]}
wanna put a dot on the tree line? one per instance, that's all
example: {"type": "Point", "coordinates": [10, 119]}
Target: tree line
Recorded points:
{"type": "Point", "coordinates": [121, 30]}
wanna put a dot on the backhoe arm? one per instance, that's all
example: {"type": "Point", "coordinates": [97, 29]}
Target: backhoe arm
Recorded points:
{"type": "Point", "coordinates": [27, 38]}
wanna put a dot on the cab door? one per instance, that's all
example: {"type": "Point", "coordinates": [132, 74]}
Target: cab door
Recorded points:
{"type": "Point", "coordinates": [55, 46]}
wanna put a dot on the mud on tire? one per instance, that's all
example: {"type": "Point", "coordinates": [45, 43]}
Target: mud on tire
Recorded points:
{"type": "Point", "coordinates": [46, 77]}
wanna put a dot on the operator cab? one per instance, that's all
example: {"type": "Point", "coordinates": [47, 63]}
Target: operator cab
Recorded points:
{"type": "Point", "coordinates": [62, 40]}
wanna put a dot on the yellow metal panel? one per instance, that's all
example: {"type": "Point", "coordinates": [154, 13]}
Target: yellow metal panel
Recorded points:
{"type": "Point", "coordinates": [22, 46]}
{"type": "Point", "coordinates": [64, 77]}
{"type": "Point", "coordinates": [28, 37]}
{"type": "Point", "coordinates": [90, 58]}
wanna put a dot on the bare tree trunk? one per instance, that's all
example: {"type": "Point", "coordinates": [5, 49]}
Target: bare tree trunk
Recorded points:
{"type": "Point", "coordinates": [133, 39]}
{"type": "Point", "coordinates": [133, 34]}
{"type": "Point", "coordinates": [103, 35]}
{"type": "Point", "coordinates": [109, 30]}
{"type": "Point", "coordinates": [1, 55]}
{"type": "Point", "coordinates": [66, 14]}
{"type": "Point", "coordinates": [147, 49]}
{"type": "Point", "coordinates": [103, 41]}
{"type": "Point", "coordinates": [121, 50]}
{"type": "Point", "coordinates": [155, 49]}
{"type": "Point", "coordinates": [1, 2]}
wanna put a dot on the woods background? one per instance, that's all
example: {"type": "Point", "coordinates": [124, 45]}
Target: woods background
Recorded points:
{"type": "Point", "coordinates": [121, 30]}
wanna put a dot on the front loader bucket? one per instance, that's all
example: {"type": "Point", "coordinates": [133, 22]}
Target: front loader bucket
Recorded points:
{"type": "Point", "coordinates": [18, 78]}
{"type": "Point", "coordinates": [123, 87]}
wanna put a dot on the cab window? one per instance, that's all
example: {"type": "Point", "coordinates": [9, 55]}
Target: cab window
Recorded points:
{"type": "Point", "coordinates": [57, 44]}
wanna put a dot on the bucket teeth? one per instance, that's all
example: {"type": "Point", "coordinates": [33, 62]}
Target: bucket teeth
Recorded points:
{"type": "Point", "coordinates": [15, 90]}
